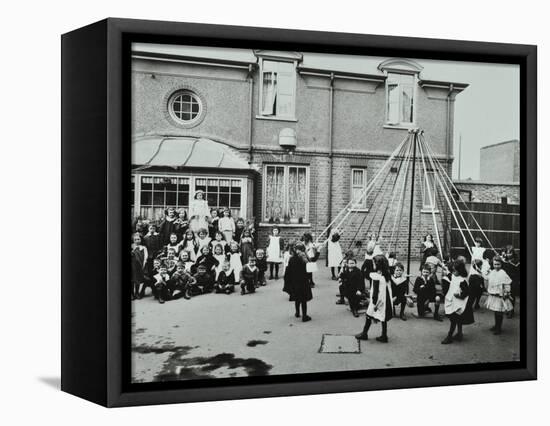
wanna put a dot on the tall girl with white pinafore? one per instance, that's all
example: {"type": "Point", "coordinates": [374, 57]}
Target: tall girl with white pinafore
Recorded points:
{"type": "Point", "coordinates": [274, 252]}
{"type": "Point", "coordinates": [235, 260]}
{"type": "Point", "coordinates": [381, 304]}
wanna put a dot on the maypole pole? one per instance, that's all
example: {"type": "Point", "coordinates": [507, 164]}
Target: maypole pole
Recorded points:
{"type": "Point", "coordinates": [415, 132]}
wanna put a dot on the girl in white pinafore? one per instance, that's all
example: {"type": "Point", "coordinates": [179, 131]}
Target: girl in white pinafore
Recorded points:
{"type": "Point", "coordinates": [335, 255]}
{"type": "Point", "coordinates": [381, 303]}
{"type": "Point", "coordinates": [499, 286]}
{"type": "Point", "coordinates": [274, 252]}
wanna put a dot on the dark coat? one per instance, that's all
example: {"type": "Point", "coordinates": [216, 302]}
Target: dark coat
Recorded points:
{"type": "Point", "coordinates": [296, 280]}
{"type": "Point", "coordinates": [352, 281]}
{"type": "Point", "coordinates": [425, 290]}
{"type": "Point", "coordinates": [153, 244]}
{"type": "Point", "coordinates": [138, 276]}
{"type": "Point", "coordinates": [209, 261]}
{"type": "Point", "coordinates": [167, 227]}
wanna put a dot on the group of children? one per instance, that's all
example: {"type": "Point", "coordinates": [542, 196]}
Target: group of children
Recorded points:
{"type": "Point", "coordinates": [175, 261]}
{"type": "Point", "coordinates": [380, 284]}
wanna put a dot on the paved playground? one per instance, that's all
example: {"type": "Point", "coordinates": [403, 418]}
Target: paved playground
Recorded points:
{"type": "Point", "coordinates": [218, 335]}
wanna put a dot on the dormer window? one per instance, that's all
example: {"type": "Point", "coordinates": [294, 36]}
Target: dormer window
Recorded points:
{"type": "Point", "coordinates": [401, 82]}
{"type": "Point", "coordinates": [400, 99]}
{"type": "Point", "coordinates": [277, 97]}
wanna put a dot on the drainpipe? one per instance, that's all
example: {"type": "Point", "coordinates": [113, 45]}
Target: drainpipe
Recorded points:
{"type": "Point", "coordinates": [330, 118]}
{"type": "Point", "coordinates": [448, 155]}
{"type": "Point", "coordinates": [251, 110]}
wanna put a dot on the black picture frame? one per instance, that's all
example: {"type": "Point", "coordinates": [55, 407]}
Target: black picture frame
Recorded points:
{"type": "Point", "coordinates": [95, 178]}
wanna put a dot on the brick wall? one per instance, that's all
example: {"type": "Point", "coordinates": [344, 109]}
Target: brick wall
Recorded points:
{"type": "Point", "coordinates": [385, 215]}
{"type": "Point", "coordinates": [486, 192]}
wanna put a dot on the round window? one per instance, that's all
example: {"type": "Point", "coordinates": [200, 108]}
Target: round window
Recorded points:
{"type": "Point", "coordinates": [185, 107]}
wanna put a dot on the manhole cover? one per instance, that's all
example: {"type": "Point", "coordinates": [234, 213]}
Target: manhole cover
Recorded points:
{"type": "Point", "coordinates": [339, 344]}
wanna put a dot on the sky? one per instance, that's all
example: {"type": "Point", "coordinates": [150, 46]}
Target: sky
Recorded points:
{"type": "Point", "coordinates": [486, 112]}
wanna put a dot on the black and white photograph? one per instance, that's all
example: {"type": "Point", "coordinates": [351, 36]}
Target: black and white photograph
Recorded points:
{"type": "Point", "coordinates": [299, 212]}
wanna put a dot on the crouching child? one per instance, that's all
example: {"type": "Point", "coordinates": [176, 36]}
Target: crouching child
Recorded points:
{"type": "Point", "coordinates": [225, 282]}
{"type": "Point", "coordinates": [249, 276]}
{"type": "Point", "coordinates": [204, 280]}
{"type": "Point", "coordinates": [181, 283]}
{"type": "Point", "coordinates": [162, 280]}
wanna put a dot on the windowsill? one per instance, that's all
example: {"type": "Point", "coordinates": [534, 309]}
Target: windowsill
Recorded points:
{"type": "Point", "coordinates": [428, 211]}
{"type": "Point", "coordinates": [286, 225]}
{"type": "Point", "coordinates": [400, 126]}
{"type": "Point", "coordinates": [275, 118]}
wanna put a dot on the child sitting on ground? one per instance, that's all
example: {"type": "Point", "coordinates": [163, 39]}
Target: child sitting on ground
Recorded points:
{"type": "Point", "coordinates": [352, 286]}
{"type": "Point", "coordinates": [162, 280]}
{"type": "Point", "coordinates": [249, 276]}
{"type": "Point", "coordinates": [204, 280]}
{"type": "Point", "coordinates": [400, 288]}
{"type": "Point", "coordinates": [261, 263]}
{"type": "Point", "coordinates": [180, 283]}
{"type": "Point", "coordinates": [225, 282]}
{"type": "Point", "coordinates": [188, 264]}
{"type": "Point", "coordinates": [425, 290]}
{"type": "Point", "coordinates": [206, 258]}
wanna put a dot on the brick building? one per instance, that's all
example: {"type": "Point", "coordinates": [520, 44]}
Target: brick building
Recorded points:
{"type": "Point", "coordinates": [500, 162]}
{"type": "Point", "coordinates": [277, 140]}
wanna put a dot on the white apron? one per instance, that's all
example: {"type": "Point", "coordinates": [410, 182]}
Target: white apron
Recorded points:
{"type": "Point", "coordinates": [383, 288]}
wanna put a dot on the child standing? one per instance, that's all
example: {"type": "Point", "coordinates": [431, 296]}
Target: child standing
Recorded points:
{"type": "Point", "coordinates": [274, 252]}
{"type": "Point", "coordinates": [477, 250]}
{"type": "Point", "coordinates": [219, 241]}
{"type": "Point", "coordinates": [476, 282]}
{"type": "Point", "coordinates": [498, 288]}
{"type": "Point", "coordinates": [381, 304]}
{"type": "Point", "coordinates": [248, 277]}
{"type": "Point", "coordinates": [220, 257]}
{"type": "Point", "coordinates": [335, 256]}
{"type": "Point", "coordinates": [368, 264]}
{"type": "Point", "coordinates": [352, 286]}
{"type": "Point", "coordinates": [226, 225]}
{"type": "Point", "coordinates": [400, 288]}
{"type": "Point", "coordinates": [190, 245]}
{"type": "Point", "coordinates": [173, 244]}
{"type": "Point", "coordinates": [457, 308]}
{"type": "Point", "coordinates": [139, 263]}
{"type": "Point", "coordinates": [261, 263]}
{"type": "Point", "coordinates": [203, 239]}
{"type": "Point", "coordinates": [235, 259]}
{"type": "Point", "coordinates": [247, 245]}
{"type": "Point", "coordinates": [312, 255]}
{"type": "Point", "coordinates": [213, 224]}
{"type": "Point", "coordinates": [153, 243]}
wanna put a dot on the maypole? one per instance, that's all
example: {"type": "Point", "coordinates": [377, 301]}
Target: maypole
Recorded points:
{"type": "Point", "coordinates": [415, 132]}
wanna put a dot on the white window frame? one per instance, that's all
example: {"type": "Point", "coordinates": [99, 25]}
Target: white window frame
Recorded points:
{"type": "Point", "coordinates": [286, 167]}
{"type": "Point", "coordinates": [362, 206]}
{"type": "Point", "coordinates": [401, 124]}
{"type": "Point", "coordinates": [426, 206]}
{"type": "Point", "coordinates": [261, 115]}
{"type": "Point", "coordinates": [173, 113]}
{"type": "Point", "coordinates": [192, 185]}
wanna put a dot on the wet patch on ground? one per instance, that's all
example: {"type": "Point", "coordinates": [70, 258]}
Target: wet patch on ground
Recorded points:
{"type": "Point", "coordinates": [254, 343]}
{"type": "Point", "coordinates": [145, 349]}
{"type": "Point", "coordinates": [177, 367]}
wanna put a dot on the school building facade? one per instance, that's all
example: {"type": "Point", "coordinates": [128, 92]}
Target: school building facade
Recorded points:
{"type": "Point", "coordinates": [278, 141]}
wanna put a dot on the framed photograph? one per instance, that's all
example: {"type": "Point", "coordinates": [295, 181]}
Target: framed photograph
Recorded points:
{"type": "Point", "coordinates": [277, 212]}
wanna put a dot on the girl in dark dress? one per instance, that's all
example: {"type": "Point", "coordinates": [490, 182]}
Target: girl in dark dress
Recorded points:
{"type": "Point", "coordinates": [476, 283]}
{"type": "Point", "coordinates": [139, 262]}
{"type": "Point", "coordinates": [168, 225]}
{"type": "Point", "coordinates": [296, 281]}
{"type": "Point", "coordinates": [247, 246]}
{"type": "Point", "coordinates": [458, 307]}
{"type": "Point", "coordinates": [381, 303]}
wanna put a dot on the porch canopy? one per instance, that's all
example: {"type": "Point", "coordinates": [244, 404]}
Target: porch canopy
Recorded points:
{"type": "Point", "coordinates": [176, 152]}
